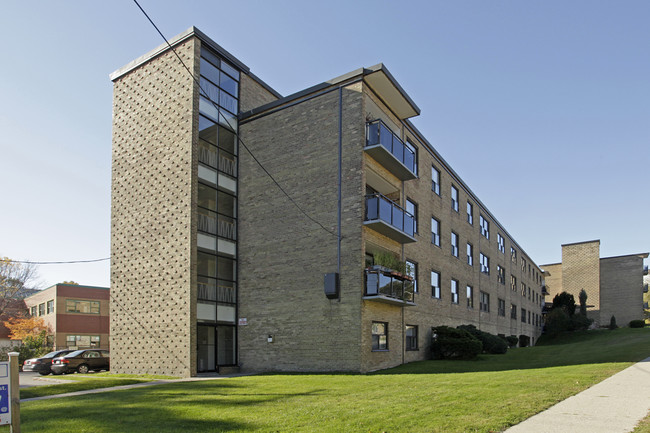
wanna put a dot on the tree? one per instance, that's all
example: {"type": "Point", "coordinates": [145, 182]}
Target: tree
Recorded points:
{"type": "Point", "coordinates": [15, 280]}
{"type": "Point", "coordinates": [566, 301]}
{"type": "Point", "coordinates": [32, 331]}
{"type": "Point", "coordinates": [583, 302]}
{"type": "Point", "coordinates": [72, 283]}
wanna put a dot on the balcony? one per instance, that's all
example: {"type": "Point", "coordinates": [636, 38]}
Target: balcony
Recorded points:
{"type": "Point", "coordinates": [390, 151]}
{"type": "Point", "coordinates": [389, 219]}
{"type": "Point", "coordinates": [387, 286]}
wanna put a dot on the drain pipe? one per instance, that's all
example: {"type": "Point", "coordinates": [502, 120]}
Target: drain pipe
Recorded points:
{"type": "Point", "coordinates": [338, 258]}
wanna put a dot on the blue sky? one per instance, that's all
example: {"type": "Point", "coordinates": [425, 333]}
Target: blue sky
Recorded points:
{"type": "Point", "coordinates": [542, 107]}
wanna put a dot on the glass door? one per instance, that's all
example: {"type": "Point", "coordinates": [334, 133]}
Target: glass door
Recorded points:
{"type": "Point", "coordinates": [207, 348]}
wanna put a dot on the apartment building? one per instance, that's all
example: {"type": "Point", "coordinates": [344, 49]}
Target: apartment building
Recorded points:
{"type": "Point", "coordinates": [223, 269]}
{"type": "Point", "coordinates": [78, 316]}
{"type": "Point", "coordinates": [614, 285]}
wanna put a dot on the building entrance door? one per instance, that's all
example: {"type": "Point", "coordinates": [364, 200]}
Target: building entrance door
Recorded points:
{"type": "Point", "coordinates": [216, 347]}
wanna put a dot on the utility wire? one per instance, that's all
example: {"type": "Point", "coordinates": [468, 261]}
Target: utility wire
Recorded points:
{"type": "Point", "coordinates": [28, 262]}
{"type": "Point", "coordinates": [205, 94]}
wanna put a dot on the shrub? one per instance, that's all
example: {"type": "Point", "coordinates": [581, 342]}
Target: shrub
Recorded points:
{"type": "Point", "coordinates": [512, 340]}
{"type": "Point", "coordinates": [637, 324]}
{"type": "Point", "coordinates": [557, 321]}
{"type": "Point", "coordinates": [566, 301]}
{"type": "Point", "coordinates": [580, 322]}
{"type": "Point", "coordinates": [612, 323]}
{"type": "Point", "coordinates": [491, 343]}
{"type": "Point", "coordinates": [451, 343]}
{"type": "Point", "coordinates": [524, 340]}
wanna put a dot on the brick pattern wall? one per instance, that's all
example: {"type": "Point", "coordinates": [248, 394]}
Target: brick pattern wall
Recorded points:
{"type": "Point", "coordinates": [621, 289]}
{"type": "Point", "coordinates": [152, 226]}
{"type": "Point", "coordinates": [284, 254]}
{"type": "Point", "coordinates": [252, 94]}
{"type": "Point", "coordinates": [581, 270]}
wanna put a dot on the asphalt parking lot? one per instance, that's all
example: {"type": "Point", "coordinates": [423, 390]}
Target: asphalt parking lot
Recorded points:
{"type": "Point", "coordinates": [30, 378]}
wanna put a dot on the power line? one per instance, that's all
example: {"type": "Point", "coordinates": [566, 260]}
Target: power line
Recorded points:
{"type": "Point", "coordinates": [28, 262]}
{"type": "Point", "coordinates": [205, 94]}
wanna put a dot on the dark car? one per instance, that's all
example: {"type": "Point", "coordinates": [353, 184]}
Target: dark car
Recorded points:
{"type": "Point", "coordinates": [42, 364]}
{"type": "Point", "coordinates": [82, 361]}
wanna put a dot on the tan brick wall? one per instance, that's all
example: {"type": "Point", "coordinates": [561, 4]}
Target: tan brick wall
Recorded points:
{"type": "Point", "coordinates": [621, 289]}
{"type": "Point", "coordinates": [252, 94]}
{"type": "Point", "coordinates": [152, 228]}
{"type": "Point", "coordinates": [581, 270]}
{"type": "Point", "coordinates": [284, 254]}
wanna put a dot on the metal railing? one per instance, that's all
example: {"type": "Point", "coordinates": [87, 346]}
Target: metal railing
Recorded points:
{"type": "Point", "coordinates": [379, 207]}
{"type": "Point", "coordinates": [217, 225]}
{"type": "Point", "coordinates": [379, 133]}
{"type": "Point", "coordinates": [211, 291]}
{"type": "Point", "coordinates": [387, 283]}
{"type": "Point", "coordinates": [219, 159]}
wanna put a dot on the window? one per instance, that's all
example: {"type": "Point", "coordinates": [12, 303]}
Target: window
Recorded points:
{"type": "Point", "coordinates": [513, 311]}
{"type": "Point", "coordinates": [379, 336]}
{"type": "Point", "coordinates": [412, 208]}
{"type": "Point", "coordinates": [523, 265]}
{"type": "Point", "coordinates": [435, 232]}
{"type": "Point", "coordinates": [33, 310]}
{"type": "Point", "coordinates": [50, 306]}
{"type": "Point", "coordinates": [501, 274]}
{"type": "Point", "coordinates": [454, 291]}
{"type": "Point", "coordinates": [513, 255]}
{"type": "Point", "coordinates": [435, 284]}
{"type": "Point", "coordinates": [485, 227]}
{"type": "Point", "coordinates": [502, 307]}
{"type": "Point", "coordinates": [86, 307]}
{"type": "Point", "coordinates": [523, 315]}
{"type": "Point", "coordinates": [523, 289]}
{"type": "Point", "coordinates": [435, 180]}
{"type": "Point", "coordinates": [528, 292]}
{"type": "Point", "coordinates": [470, 213]}
{"type": "Point", "coordinates": [412, 271]}
{"type": "Point", "coordinates": [529, 317]}
{"type": "Point", "coordinates": [413, 149]}
{"type": "Point", "coordinates": [454, 198]}
{"type": "Point", "coordinates": [470, 254]}
{"type": "Point", "coordinates": [41, 309]}
{"type": "Point", "coordinates": [454, 244]}
{"type": "Point", "coordinates": [411, 337]}
{"type": "Point", "coordinates": [470, 297]}
{"type": "Point", "coordinates": [513, 283]}
{"type": "Point", "coordinates": [485, 302]}
{"type": "Point", "coordinates": [502, 243]}
{"type": "Point", "coordinates": [485, 263]}
{"type": "Point", "coordinates": [82, 341]}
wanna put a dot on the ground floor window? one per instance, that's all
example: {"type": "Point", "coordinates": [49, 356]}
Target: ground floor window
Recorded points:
{"type": "Point", "coordinates": [82, 341]}
{"type": "Point", "coordinates": [411, 337]}
{"type": "Point", "coordinates": [379, 336]}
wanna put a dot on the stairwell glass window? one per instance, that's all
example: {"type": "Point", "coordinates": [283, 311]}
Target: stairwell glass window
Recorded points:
{"type": "Point", "coordinates": [435, 232]}
{"type": "Point", "coordinates": [485, 227]}
{"type": "Point", "coordinates": [379, 336]}
{"type": "Point", "coordinates": [454, 244]}
{"type": "Point", "coordinates": [435, 180]}
{"type": "Point", "coordinates": [454, 198]}
{"type": "Point", "coordinates": [435, 284]}
{"type": "Point", "coordinates": [485, 264]}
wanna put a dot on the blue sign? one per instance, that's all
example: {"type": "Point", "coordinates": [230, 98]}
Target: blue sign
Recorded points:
{"type": "Point", "coordinates": [4, 398]}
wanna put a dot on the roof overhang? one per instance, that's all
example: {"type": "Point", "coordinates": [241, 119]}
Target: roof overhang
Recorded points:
{"type": "Point", "coordinates": [388, 89]}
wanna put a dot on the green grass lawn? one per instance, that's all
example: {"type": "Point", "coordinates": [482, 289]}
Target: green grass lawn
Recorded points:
{"type": "Point", "coordinates": [487, 395]}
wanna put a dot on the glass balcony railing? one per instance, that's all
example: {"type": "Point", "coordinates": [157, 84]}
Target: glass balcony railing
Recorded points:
{"type": "Point", "coordinates": [388, 286]}
{"type": "Point", "coordinates": [390, 151]}
{"type": "Point", "coordinates": [389, 218]}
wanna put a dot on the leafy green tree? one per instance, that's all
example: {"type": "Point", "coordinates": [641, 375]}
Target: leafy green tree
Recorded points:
{"type": "Point", "coordinates": [582, 297]}
{"type": "Point", "coordinates": [566, 301]}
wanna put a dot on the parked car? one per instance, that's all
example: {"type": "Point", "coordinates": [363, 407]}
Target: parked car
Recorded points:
{"type": "Point", "coordinates": [82, 361]}
{"type": "Point", "coordinates": [42, 365]}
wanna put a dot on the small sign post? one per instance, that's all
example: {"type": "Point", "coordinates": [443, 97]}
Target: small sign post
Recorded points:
{"type": "Point", "coordinates": [10, 393]}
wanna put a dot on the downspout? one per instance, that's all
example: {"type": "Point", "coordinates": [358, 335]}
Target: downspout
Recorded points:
{"type": "Point", "coordinates": [338, 258]}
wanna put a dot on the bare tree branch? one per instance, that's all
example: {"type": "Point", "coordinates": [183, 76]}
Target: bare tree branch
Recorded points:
{"type": "Point", "coordinates": [16, 279]}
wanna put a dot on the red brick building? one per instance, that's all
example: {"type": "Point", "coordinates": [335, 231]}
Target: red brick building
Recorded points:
{"type": "Point", "coordinates": [78, 316]}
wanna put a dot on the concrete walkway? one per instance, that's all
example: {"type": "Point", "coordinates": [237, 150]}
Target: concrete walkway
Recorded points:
{"type": "Point", "coordinates": [615, 405]}
{"type": "Point", "coordinates": [134, 385]}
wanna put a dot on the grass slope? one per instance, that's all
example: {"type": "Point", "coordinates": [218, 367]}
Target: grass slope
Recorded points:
{"type": "Point", "coordinates": [487, 395]}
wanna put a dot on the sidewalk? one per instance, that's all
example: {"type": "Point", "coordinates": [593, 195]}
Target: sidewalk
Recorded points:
{"type": "Point", "coordinates": [615, 405]}
{"type": "Point", "coordinates": [135, 385]}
